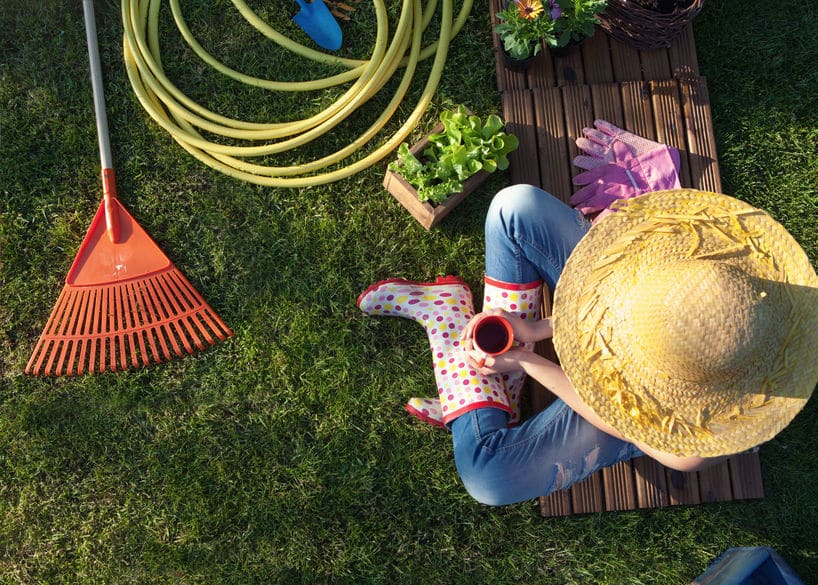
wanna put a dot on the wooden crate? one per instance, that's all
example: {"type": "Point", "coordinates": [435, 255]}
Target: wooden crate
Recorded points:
{"type": "Point", "coordinates": [428, 215]}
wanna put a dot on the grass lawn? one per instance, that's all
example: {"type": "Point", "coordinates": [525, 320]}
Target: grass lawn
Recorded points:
{"type": "Point", "coordinates": [284, 455]}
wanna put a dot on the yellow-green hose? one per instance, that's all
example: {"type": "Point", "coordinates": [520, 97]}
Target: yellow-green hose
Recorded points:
{"type": "Point", "coordinates": [183, 118]}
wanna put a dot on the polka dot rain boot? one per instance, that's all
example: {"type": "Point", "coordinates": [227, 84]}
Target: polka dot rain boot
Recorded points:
{"type": "Point", "coordinates": [443, 308]}
{"type": "Point", "coordinates": [522, 300]}
{"type": "Point", "coordinates": [428, 410]}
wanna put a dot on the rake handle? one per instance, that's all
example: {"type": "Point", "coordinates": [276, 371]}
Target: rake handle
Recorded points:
{"type": "Point", "coordinates": [108, 177]}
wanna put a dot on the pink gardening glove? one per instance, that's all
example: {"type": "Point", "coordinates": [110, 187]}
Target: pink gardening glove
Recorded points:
{"type": "Point", "coordinates": [652, 171]}
{"type": "Point", "coordinates": [607, 143]}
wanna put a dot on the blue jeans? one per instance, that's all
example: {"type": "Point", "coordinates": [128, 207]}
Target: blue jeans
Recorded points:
{"type": "Point", "coordinates": [529, 236]}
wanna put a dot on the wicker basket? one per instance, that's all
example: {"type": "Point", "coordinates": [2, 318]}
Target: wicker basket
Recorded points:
{"type": "Point", "coordinates": [641, 27]}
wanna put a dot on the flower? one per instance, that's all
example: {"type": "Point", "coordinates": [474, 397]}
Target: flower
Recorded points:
{"type": "Point", "coordinates": [529, 9]}
{"type": "Point", "coordinates": [526, 24]}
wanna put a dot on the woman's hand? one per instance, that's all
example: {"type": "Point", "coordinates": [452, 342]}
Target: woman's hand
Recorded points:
{"type": "Point", "coordinates": [505, 362]}
{"type": "Point", "coordinates": [524, 329]}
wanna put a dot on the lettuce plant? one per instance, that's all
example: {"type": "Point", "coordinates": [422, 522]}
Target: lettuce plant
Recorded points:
{"type": "Point", "coordinates": [466, 146]}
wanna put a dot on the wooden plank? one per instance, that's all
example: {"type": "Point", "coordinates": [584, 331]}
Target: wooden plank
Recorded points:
{"type": "Point", "coordinates": [539, 397]}
{"type": "Point", "coordinates": [541, 72]}
{"type": "Point", "coordinates": [682, 54]}
{"type": "Point", "coordinates": [596, 59]}
{"type": "Point", "coordinates": [507, 79]}
{"type": "Point", "coordinates": [607, 103]}
{"type": "Point", "coordinates": [651, 485]}
{"type": "Point", "coordinates": [668, 119]}
{"type": "Point", "coordinates": [745, 475]}
{"type": "Point", "coordinates": [587, 496]}
{"type": "Point", "coordinates": [700, 139]}
{"type": "Point", "coordinates": [518, 113]}
{"type": "Point", "coordinates": [655, 64]}
{"type": "Point", "coordinates": [625, 61]}
{"type": "Point", "coordinates": [568, 69]}
{"type": "Point", "coordinates": [638, 109]}
{"type": "Point", "coordinates": [620, 487]}
{"type": "Point", "coordinates": [552, 142]}
{"type": "Point", "coordinates": [715, 483]}
{"type": "Point", "coordinates": [556, 504]}
{"type": "Point", "coordinates": [683, 488]}
{"type": "Point", "coordinates": [578, 114]}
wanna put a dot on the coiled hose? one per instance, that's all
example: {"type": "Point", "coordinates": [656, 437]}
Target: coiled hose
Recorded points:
{"type": "Point", "coordinates": [183, 118]}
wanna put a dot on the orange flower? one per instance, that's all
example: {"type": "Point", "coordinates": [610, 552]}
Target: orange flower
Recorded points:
{"type": "Point", "coordinates": [529, 9]}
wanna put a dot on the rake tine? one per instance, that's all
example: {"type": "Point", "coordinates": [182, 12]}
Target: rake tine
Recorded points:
{"type": "Point", "coordinates": [160, 297]}
{"type": "Point", "coordinates": [174, 334]}
{"type": "Point", "coordinates": [136, 299]}
{"type": "Point", "coordinates": [151, 318]}
{"type": "Point", "coordinates": [97, 352]}
{"type": "Point", "coordinates": [60, 324]}
{"type": "Point", "coordinates": [105, 328]}
{"type": "Point", "coordinates": [77, 316]}
{"type": "Point", "coordinates": [194, 326]}
{"type": "Point", "coordinates": [217, 326]}
{"type": "Point", "coordinates": [127, 312]}
{"type": "Point", "coordinates": [118, 357]}
{"type": "Point", "coordinates": [123, 324]}
{"type": "Point", "coordinates": [159, 314]}
{"type": "Point", "coordinates": [189, 320]}
{"type": "Point", "coordinates": [207, 313]}
{"type": "Point", "coordinates": [87, 329]}
{"type": "Point", "coordinates": [40, 352]}
{"type": "Point", "coordinates": [184, 306]}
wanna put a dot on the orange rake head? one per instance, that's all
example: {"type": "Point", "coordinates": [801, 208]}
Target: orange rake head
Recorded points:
{"type": "Point", "coordinates": [124, 305]}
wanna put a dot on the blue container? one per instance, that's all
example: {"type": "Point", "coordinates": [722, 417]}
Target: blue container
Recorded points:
{"type": "Point", "coordinates": [753, 565]}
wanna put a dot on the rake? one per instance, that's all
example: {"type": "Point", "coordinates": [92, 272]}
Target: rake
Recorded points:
{"type": "Point", "coordinates": [124, 304]}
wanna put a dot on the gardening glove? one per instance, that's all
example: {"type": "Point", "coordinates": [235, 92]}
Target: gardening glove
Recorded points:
{"type": "Point", "coordinates": [607, 143]}
{"type": "Point", "coordinates": [652, 171]}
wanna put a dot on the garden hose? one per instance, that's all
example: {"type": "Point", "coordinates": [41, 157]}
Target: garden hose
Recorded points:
{"type": "Point", "coordinates": [182, 117]}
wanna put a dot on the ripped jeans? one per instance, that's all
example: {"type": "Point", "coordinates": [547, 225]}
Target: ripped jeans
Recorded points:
{"type": "Point", "coordinates": [529, 235]}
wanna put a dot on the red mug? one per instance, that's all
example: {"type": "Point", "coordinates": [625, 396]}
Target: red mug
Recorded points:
{"type": "Point", "coordinates": [492, 335]}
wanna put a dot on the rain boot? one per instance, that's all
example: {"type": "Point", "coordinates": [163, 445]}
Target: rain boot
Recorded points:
{"type": "Point", "coordinates": [443, 308]}
{"type": "Point", "coordinates": [522, 300]}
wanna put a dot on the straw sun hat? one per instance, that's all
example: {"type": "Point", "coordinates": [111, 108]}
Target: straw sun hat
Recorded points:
{"type": "Point", "coordinates": [688, 321]}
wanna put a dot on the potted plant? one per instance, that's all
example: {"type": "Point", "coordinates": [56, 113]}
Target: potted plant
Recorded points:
{"type": "Point", "coordinates": [578, 20]}
{"type": "Point", "coordinates": [433, 176]}
{"type": "Point", "coordinates": [526, 24]}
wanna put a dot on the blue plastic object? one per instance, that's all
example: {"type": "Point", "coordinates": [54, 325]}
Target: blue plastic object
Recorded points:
{"type": "Point", "coordinates": [317, 21]}
{"type": "Point", "coordinates": [755, 565]}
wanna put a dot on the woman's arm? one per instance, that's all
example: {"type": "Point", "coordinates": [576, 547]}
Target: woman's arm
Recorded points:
{"type": "Point", "coordinates": [553, 377]}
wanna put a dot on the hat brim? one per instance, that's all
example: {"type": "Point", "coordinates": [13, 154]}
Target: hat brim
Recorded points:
{"type": "Point", "coordinates": [726, 416]}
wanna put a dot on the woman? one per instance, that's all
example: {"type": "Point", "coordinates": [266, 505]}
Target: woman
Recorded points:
{"type": "Point", "coordinates": [699, 368]}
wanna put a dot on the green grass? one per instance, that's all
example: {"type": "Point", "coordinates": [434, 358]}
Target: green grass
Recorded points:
{"type": "Point", "coordinates": [284, 455]}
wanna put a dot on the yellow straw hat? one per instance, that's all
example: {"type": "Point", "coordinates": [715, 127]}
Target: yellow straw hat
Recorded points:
{"type": "Point", "coordinates": [688, 321]}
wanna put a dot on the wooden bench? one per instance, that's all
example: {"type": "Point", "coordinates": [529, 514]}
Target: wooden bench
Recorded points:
{"type": "Point", "coordinates": [659, 95]}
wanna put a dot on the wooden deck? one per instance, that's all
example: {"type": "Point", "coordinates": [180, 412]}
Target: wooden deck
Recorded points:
{"type": "Point", "coordinates": [659, 95]}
